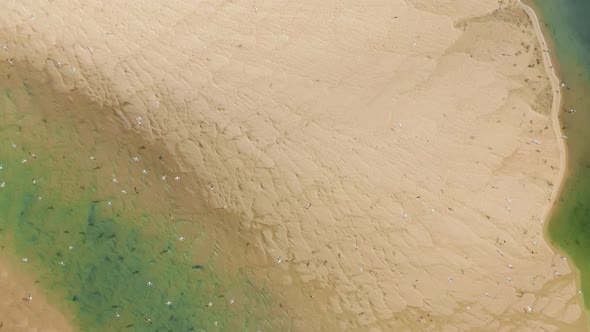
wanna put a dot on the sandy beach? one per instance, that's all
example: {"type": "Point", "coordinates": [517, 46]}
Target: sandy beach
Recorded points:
{"type": "Point", "coordinates": [391, 164]}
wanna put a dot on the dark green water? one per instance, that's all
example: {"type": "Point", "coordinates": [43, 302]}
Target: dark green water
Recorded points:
{"type": "Point", "coordinates": [567, 23]}
{"type": "Point", "coordinates": [128, 255]}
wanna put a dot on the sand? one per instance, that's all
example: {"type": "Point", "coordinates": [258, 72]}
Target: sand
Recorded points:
{"type": "Point", "coordinates": [391, 162]}
{"type": "Point", "coordinates": [18, 313]}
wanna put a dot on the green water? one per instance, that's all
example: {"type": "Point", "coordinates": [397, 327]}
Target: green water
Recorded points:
{"type": "Point", "coordinates": [134, 261]}
{"type": "Point", "coordinates": [567, 23]}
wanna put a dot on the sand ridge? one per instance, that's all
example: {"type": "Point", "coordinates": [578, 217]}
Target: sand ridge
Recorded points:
{"type": "Point", "coordinates": [389, 161]}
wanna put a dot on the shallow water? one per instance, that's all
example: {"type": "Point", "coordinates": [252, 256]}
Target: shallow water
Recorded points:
{"type": "Point", "coordinates": [136, 253]}
{"type": "Point", "coordinates": [568, 27]}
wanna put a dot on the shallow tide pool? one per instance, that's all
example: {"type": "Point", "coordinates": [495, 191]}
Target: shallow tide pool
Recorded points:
{"type": "Point", "coordinates": [104, 224]}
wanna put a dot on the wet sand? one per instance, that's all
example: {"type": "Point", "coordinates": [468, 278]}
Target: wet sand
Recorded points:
{"type": "Point", "coordinates": [18, 314]}
{"type": "Point", "coordinates": [117, 235]}
{"type": "Point", "coordinates": [390, 166]}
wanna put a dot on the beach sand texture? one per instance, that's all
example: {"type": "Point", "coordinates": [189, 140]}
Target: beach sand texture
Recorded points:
{"type": "Point", "coordinates": [391, 161]}
{"type": "Point", "coordinates": [16, 314]}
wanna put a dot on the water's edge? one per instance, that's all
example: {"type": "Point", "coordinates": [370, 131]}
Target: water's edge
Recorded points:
{"type": "Point", "coordinates": [576, 148]}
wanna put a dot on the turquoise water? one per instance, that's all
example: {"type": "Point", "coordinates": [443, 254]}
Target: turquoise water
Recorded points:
{"type": "Point", "coordinates": [567, 23]}
{"type": "Point", "coordinates": [132, 254]}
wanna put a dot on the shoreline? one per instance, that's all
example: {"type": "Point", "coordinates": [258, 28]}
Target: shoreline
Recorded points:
{"type": "Point", "coordinates": [556, 106]}
{"type": "Point", "coordinates": [415, 229]}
